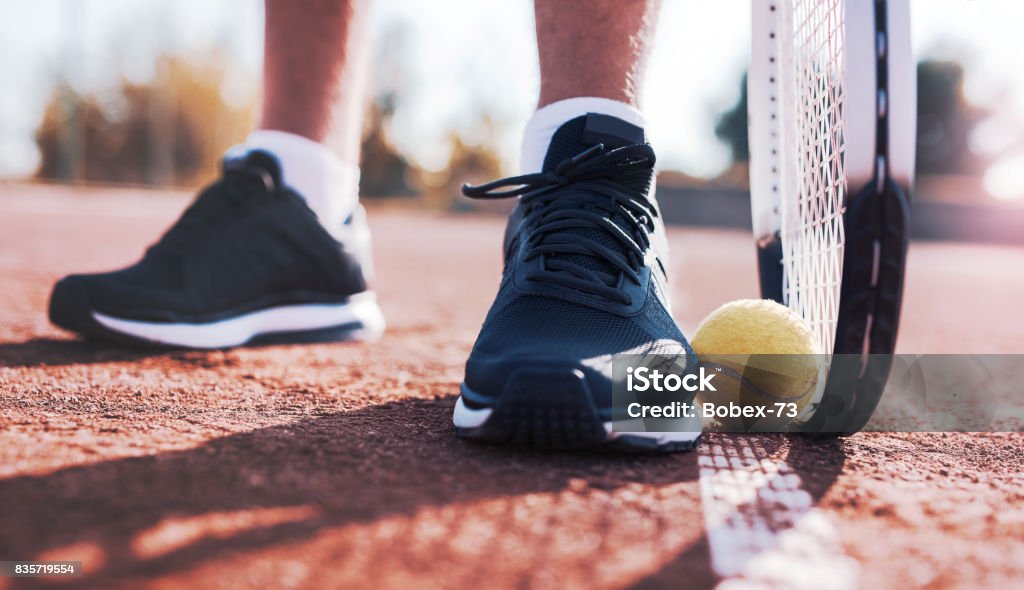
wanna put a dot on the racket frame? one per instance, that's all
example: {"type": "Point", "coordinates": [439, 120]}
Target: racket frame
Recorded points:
{"type": "Point", "coordinates": [879, 89]}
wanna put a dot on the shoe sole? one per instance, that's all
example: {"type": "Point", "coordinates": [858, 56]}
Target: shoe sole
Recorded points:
{"type": "Point", "coordinates": [553, 409]}
{"type": "Point", "coordinates": [359, 318]}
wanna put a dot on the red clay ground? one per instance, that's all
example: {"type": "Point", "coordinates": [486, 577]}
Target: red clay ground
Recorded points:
{"type": "Point", "coordinates": [334, 465]}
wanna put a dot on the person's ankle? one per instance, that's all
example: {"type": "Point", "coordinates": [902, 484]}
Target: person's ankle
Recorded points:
{"type": "Point", "coordinates": [548, 118]}
{"type": "Point", "coordinates": [329, 185]}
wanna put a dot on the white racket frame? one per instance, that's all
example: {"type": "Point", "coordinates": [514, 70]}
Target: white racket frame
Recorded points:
{"type": "Point", "coordinates": [775, 175]}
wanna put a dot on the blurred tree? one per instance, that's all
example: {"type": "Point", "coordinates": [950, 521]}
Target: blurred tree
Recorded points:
{"type": "Point", "coordinates": [182, 114]}
{"type": "Point", "coordinates": [731, 127]}
{"type": "Point", "coordinates": [944, 121]}
{"type": "Point", "coordinates": [473, 162]}
{"type": "Point", "coordinates": [173, 130]}
{"type": "Point", "coordinates": [468, 163]}
{"type": "Point", "coordinates": [385, 171]}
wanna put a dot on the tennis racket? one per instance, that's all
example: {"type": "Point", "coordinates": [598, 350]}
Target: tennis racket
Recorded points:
{"type": "Point", "coordinates": [831, 105]}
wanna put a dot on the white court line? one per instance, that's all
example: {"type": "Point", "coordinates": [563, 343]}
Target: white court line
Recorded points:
{"type": "Point", "coordinates": [763, 529]}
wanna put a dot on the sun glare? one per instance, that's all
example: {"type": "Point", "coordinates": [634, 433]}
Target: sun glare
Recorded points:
{"type": "Point", "coordinates": [1004, 180]}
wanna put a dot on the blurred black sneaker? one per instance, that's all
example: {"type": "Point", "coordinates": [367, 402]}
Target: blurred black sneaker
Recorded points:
{"type": "Point", "coordinates": [584, 280]}
{"type": "Point", "coordinates": [247, 262]}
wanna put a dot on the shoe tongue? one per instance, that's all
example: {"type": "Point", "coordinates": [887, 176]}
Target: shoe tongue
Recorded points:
{"type": "Point", "coordinates": [572, 138]}
{"type": "Point", "coordinates": [260, 162]}
{"type": "Point", "coordinates": [583, 132]}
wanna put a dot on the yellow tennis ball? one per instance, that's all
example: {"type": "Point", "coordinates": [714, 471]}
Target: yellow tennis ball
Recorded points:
{"type": "Point", "coordinates": [766, 356]}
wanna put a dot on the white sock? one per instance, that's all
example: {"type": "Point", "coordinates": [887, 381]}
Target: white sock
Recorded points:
{"type": "Point", "coordinates": [329, 185]}
{"type": "Point", "coordinates": [544, 123]}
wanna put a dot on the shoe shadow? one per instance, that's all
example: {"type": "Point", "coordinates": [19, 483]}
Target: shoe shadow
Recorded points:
{"type": "Point", "coordinates": [272, 487]}
{"type": "Point", "coordinates": [58, 352]}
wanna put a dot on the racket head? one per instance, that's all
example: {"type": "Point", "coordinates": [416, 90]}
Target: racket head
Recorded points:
{"type": "Point", "coordinates": [831, 114]}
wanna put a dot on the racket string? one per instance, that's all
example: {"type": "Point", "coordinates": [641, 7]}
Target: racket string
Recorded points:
{"type": "Point", "coordinates": [813, 129]}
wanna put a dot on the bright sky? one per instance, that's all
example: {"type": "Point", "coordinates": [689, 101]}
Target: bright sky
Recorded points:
{"type": "Point", "coordinates": [466, 57]}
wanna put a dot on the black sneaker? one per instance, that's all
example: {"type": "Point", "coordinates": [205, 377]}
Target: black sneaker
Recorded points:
{"type": "Point", "coordinates": [247, 262]}
{"type": "Point", "coordinates": [584, 280]}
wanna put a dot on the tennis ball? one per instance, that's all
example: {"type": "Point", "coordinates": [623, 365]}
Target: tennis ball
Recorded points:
{"type": "Point", "coordinates": [764, 354]}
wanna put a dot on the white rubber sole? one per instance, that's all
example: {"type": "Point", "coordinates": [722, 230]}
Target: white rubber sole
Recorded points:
{"type": "Point", "coordinates": [466, 417]}
{"type": "Point", "coordinates": [361, 310]}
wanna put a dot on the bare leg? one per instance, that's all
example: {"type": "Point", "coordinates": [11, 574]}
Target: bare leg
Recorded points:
{"type": "Point", "coordinates": [593, 47]}
{"type": "Point", "coordinates": [314, 71]}
{"type": "Point", "coordinates": [592, 59]}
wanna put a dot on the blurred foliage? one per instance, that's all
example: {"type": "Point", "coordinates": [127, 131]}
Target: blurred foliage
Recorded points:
{"type": "Point", "coordinates": [468, 163]}
{"type": "Point", "coordinates": [173, 131]}
{"type": "Point", "coordinates": [170, 132]}
{"type": "Point", "coordinates": [385, 172]}
{"type": "Point", "coordinates": [945, 120]}
{"type": "Point", "coordinates": [731, 127]}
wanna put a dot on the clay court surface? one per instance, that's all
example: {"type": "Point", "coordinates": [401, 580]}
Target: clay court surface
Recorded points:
{"type": "Point", "coordinates": [335, 465]}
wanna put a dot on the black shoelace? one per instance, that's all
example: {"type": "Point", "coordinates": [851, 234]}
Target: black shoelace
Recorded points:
{"type": "Point", "coordinates": [241, 186]}
{"type": "Point", "coordinates": [582, 193]}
